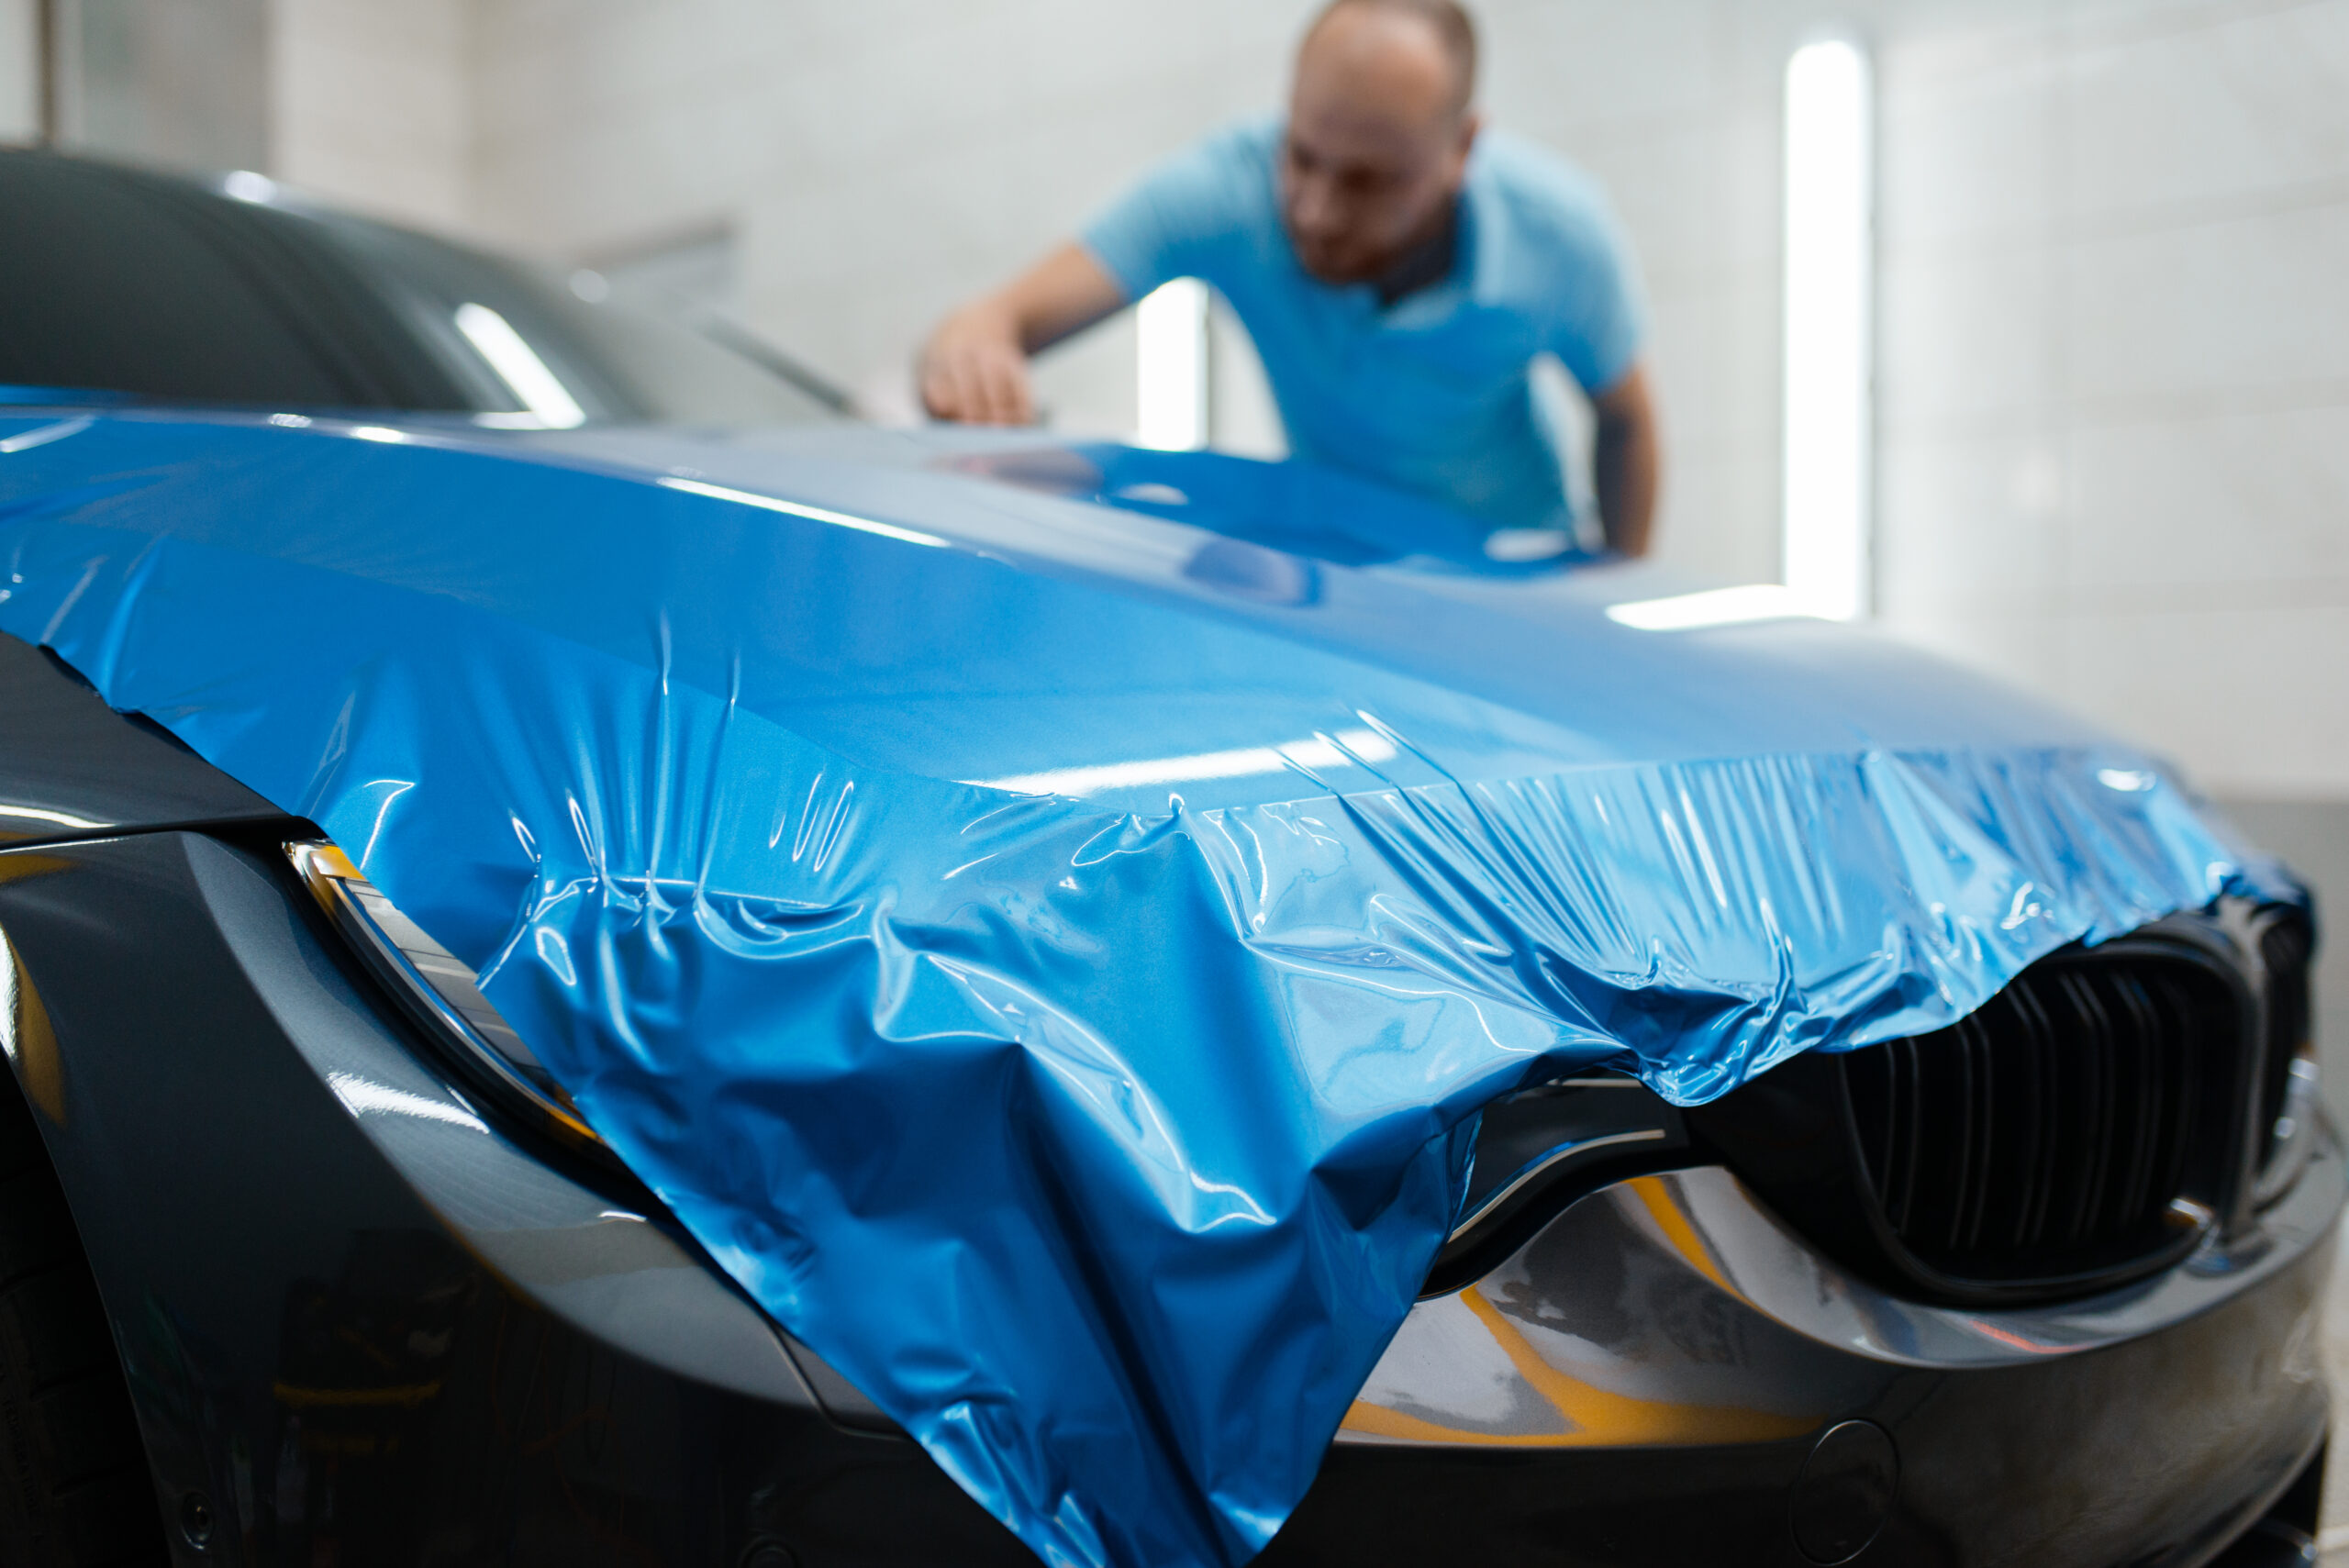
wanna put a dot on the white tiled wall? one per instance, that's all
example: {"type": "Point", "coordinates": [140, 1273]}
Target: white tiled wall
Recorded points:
{"type": "Point", "coordinates": [2115, 372]}
{"type": "Point", "coordinates": [2115, 234]}
{"type": "Point", "coordinates": [373, 105]}
{"type": "Point", "coordinates": [164, 82]}
{"type": "Point", "coordinates": [879, 161]}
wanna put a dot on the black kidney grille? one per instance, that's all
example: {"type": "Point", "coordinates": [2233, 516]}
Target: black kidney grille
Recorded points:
{"type": "Point", "coordinates": [2284, 949]}
{"type": "Point", "coordinates": [2049, 1132]}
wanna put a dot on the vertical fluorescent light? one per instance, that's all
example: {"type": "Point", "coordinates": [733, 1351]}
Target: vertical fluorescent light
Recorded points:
{"type": "Point", "coordinates": [518, 366]}
{"type": "Point", "coordinates": [1829, 267]}
{"type": "Point", "coordinates": [1170, 366]}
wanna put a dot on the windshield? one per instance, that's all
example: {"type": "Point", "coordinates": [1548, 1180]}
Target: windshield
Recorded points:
{"type": "Point", "coordinates": [521, 340]}
{"type": "Point", "coordinates": [140, 284]}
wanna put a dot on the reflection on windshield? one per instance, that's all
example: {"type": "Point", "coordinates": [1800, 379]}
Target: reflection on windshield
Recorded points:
{"type": "Point", "coordinates": [522, 370]}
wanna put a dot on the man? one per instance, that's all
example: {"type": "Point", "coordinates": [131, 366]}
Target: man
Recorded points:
{"type": "Point", "coordinates": [1399, 272]}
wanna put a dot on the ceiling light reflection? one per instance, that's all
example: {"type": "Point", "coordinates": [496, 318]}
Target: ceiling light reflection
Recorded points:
{"type": "Point", "coordinates": [1314, 752]}
{"type": "Point", "coordinates": [518, 366]}
{"type": "Point", "coordinates": [792, 508]}
{"type": "Point", "coordinates": [244, 186]}
{"type": "Point", "coordinates": [1713, 606]}
{"type": "Point", "coordinates": [55, 818]}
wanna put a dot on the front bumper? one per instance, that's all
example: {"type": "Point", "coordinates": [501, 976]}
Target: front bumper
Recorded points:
{"type": "Point", "coordinates": [370, 1325]}
{"type": "Point", "coordinates": [1646, 1381]}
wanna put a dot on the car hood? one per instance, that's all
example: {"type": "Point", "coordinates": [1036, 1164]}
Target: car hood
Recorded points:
{"type": "Point", "coordinates": [1188, 629]}
{"type": "Point", "coordinates": [1197, 627]}
{"type": "Point", "coordinates": [1053, 953]}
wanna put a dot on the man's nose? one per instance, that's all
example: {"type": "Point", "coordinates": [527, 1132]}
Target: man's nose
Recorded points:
{"type": "Point", "coordinates": [1313, 205]}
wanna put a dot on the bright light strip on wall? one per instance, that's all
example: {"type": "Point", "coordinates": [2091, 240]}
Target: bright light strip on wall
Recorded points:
{"type": "Point", "coordinates": [1170, 366]}
{"type": "Point", "coordinates": [518, 366]}
{"type": "Point", "coordinates": [1829, 281]}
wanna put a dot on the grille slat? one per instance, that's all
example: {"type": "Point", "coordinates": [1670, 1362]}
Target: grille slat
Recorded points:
{"type": "Point", "coordinates": [2039, 1040]}
{"type": "Point", "coordinates": [2142, 1091]}
{"type": "Point", "coordinates": [2099, 1062]}
{"type": "Point", "coordinates": [2045, 1170]}
{"type": "Point", "coordinates": [1901, 1182]}
{"type": "Point", "coordinates": [1985, 1083]}
{"type": "Point", "coordinates": [1961, 1138]}
{"type": "Point", "coordinates": [2182, 1106]}
{"type": "Point", "coordinates": [1914, 1145]}
{"type": "Point", "coordinates": [2024, 1067]}
{"type": "Point", "coordinates": [2050, 1133]}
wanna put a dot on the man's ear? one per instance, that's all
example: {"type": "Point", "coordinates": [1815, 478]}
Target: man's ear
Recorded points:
{"type": "Point", "coordinates": [1472, 122]}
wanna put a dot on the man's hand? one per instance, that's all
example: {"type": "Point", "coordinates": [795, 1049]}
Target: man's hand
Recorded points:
{"type": "Point", "coordinates": [975, 368]}
{"type": "Point", "coordinates": [975, 371]}
{"type": "Point", "coordinates": [1626, 461]}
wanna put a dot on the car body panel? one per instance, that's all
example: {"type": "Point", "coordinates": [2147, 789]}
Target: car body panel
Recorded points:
{"type": "Point", "coordinates": [2154, 1451]}
{"type": "Point", "coordinates": [72, 766]}
{"type": "Point", "coordinates": [343, 1296]}
{"type": "Point", "coordinates": [547, 705]}
{"type": "Point", "coordinates": [1102, 647]}
{"type": "Point", "coordinates": [355, 1316]}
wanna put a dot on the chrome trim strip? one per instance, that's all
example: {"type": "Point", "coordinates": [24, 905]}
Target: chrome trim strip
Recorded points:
{"type": "Point", "coordinates": [1551, 1161]}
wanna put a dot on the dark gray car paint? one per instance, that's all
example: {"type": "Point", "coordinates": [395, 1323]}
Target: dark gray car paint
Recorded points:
{"type": "Point", "coordinates": [64, 754]}
{"type": "Point", "coordinates": [218, 1184]}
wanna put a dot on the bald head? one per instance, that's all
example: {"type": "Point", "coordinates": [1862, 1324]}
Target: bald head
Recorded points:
{"type": "Point", "coordinates": [1379, 130]}
{"type": "Point", "coordinates": [1391, 33]}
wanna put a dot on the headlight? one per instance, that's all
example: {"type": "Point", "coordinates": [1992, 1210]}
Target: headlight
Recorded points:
{"type": "Point", "coordinates": [439, 993]}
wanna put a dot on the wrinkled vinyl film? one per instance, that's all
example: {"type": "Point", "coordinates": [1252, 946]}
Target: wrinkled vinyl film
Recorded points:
{"type": "Point", "coordinates": [1053, 956]}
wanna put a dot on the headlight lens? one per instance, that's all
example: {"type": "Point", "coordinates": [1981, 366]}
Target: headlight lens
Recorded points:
{"type": "Point", "coordinates": [439, 991]}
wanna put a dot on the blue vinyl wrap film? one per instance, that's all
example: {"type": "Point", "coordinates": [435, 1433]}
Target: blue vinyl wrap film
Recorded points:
{"type": "Point", "coordinates": [1053, 955]}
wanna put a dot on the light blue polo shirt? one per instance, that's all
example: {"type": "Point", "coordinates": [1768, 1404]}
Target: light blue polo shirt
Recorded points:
{"type": "Point", "coordinates": [1431, 394]}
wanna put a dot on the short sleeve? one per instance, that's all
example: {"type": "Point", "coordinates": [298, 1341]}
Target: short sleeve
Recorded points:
{"type": "Point", "coordinates": [1171, 222]}
{"type": "Point", "coordinates": [1602, 318]}
{"type": "Point", "coordinates": [1568, 261]}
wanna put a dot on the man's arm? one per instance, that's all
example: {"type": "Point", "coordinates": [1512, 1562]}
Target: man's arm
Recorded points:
{"type": "Point", "coordinates": [975, 368]}
{"type": "Point", "coordinates": [1626, 461]}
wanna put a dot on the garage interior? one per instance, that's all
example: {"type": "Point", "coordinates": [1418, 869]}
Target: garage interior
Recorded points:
{"type": "Point", "coordinates": [2109, 364]}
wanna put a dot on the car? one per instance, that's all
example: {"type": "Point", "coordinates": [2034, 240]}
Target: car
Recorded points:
{"type": "Point", "coordinates": [2004, 1242]}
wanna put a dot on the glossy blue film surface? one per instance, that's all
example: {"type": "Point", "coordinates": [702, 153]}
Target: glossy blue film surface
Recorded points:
{"type": "Point", "coordinates": [1053, 955]}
